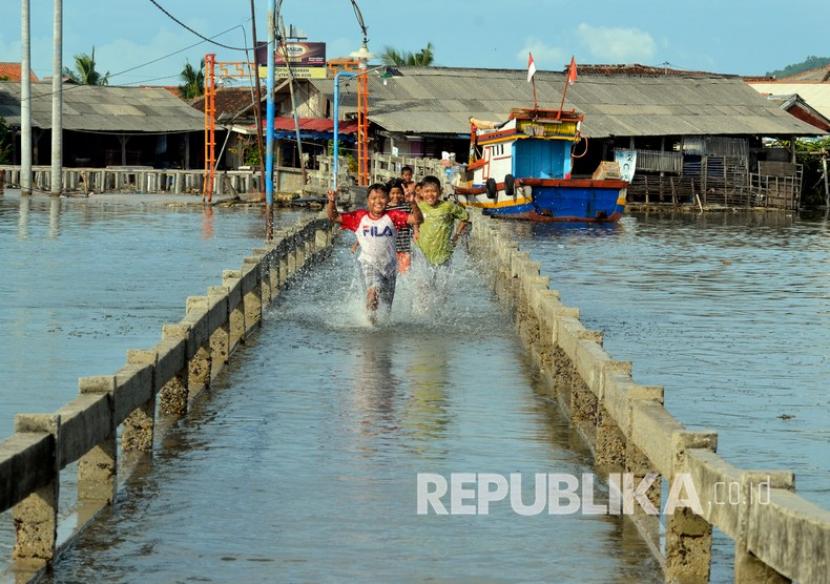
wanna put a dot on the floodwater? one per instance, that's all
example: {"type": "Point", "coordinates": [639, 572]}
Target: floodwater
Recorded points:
{"type": "Point", "coordinates": [302, 463]}
{"type": "Point", "coordinates": [730, 312]}
{"type": "Point", "coordinates": [83, 280]}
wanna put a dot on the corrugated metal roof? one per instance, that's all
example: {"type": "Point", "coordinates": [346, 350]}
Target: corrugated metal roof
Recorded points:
{"type": "Point", "coordinates": [93, 108]}
{"type": "Point", "coordinates": [441, 100]}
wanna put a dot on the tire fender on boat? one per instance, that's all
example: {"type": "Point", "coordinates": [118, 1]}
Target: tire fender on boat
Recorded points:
{"type": "Point", "coordinates": [509, 185]}
{"type": "Point", "coordinates": [492, 189]}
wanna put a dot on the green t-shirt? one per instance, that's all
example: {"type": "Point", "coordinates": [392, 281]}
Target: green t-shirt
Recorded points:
{"type": "Point", "coordinates": [437, 229]}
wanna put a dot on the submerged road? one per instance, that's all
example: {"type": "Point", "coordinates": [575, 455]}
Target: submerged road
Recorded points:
{"type": "Point", "coordinates": [301, 464]}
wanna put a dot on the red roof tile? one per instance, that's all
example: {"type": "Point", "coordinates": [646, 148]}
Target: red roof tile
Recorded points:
{"type": "Point", "coordinates": [314, 125]}
{"type": "Point", "coordinates": [11, 72]}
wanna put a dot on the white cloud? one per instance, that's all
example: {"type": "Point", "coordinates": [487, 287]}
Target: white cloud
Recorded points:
{"type": "Point", "coordinates": [617, 45]}
{"type": "Point", "coordinates": [545, 56]}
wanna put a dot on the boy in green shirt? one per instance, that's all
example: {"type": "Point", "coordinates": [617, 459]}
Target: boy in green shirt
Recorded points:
{"type": "Point", "coordinates": [438, 234]}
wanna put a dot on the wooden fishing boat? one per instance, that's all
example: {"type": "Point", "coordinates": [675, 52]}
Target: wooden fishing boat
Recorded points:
{"type": "Point", "coordinates": [521, 169]}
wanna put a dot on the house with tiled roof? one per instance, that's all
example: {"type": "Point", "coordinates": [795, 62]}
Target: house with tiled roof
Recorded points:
{"type": "Point", "coordinates": [11, 72]}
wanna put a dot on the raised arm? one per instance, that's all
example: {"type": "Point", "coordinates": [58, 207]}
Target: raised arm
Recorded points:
{"type": "Point", "coordinates": [331, 207]}
{"type": "Point", "coordinates": [415, 216]}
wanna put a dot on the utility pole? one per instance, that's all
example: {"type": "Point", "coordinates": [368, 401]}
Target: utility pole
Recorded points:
{"type": "Point", "coordinates": [258, 107]}
{"type": "Point", "coordinates": [25, 100]}
{"type": "Point", "coordinates": [269, 127]}
{"type": "Point", "coordinates": [57, 100]}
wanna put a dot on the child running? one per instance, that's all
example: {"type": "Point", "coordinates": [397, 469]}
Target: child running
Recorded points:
{"type": "Point", "coordinates": [437, 235]}
{"type": "Point", "coordinates": [403, 241]}
{"type": "Point", "coordinates": [376, 230]}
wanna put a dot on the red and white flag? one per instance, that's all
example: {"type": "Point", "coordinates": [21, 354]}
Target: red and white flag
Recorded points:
{"type": "Point", "coordinates": [531, 67]}
{"type": "Point", "coordinates": [572, 72]}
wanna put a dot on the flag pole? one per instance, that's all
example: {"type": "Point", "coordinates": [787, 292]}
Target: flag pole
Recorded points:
{"type": "Point", "coordinates": [561, 105]}
{"type": "Point", "coordinates": [570, 77]}
{"type": "Point", "coordinates": [533, 84]}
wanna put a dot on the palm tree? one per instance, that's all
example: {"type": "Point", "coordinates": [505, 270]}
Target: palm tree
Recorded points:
{"type": "Point", "coordinates": [84, 72]}
{"type": "Point", "coordinates": [194, 81]}
{"type": "Point", "coordinates": [395, 58]}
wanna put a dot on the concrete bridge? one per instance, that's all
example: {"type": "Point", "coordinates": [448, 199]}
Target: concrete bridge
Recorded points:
{"type": "Point", "coordinates": [778, 536]}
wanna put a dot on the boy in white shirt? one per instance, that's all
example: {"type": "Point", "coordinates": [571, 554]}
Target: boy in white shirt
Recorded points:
{"type": "Point", "coordinates": [376, 230]}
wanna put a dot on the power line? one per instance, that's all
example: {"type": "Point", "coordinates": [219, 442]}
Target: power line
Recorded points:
{"type": "Point", "coordinates": [139, 66]}
{"type": "Point", "coordinates": [198, 34]}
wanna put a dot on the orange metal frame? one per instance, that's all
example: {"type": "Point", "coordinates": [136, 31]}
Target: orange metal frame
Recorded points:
{"type": "Point", "coordinates": [363, 155]}
{"type": "Point", "coordinates": [242, 70]}
{"type": "Point", "coordinates": [210, 127]}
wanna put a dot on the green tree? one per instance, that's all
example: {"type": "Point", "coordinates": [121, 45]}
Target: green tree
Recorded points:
{"type": "Point", "coordinates": [811, 62]}
{"type": "Point", "coordinates": [84, 72]}
{"type": "Point", "coordinates": [395, 58]}
{"type": "Point", "coordinates": [194, 81]}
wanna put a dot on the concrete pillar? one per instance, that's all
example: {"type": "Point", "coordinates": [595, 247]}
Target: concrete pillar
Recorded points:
{"type": "Point", "coordinates": [220, 347]}
{"type": "Point", "coordinates": [230, 278]}
{"type": "Point", "coordinates": [36, 516]}
{"type": "Point", "coordinates": [268, 270]}
{"type": "Point", "coordinates": [97, 468]}
{"type": "Point", "coordinates": [610, 442]}
{"type": "Point", "coordinates": [173, 396]}
{"type": "Point", "coordinates": [139, 427]}
{"type": "Point", "coordinates": [199, 366]}
{"type": "Point", "coordinates": [252, 299]}
{"type": "Point", "coordinates": [688, 536]}
{"type": "Point", "coordinates": [179, 182]}
{"type": "Point", "coordinates": [748, 568]}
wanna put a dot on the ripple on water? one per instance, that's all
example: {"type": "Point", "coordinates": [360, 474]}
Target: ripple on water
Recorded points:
{"type": "Point", "coordinates": [307, 464]}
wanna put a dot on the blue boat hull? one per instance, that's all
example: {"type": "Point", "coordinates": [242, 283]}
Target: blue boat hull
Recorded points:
{"type": "Point", "coordinates": [556, 203]}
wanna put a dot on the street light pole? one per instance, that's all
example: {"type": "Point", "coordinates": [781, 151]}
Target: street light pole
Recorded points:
{"type": "Point", "coordinates": [269, 127]}
{"type": "Point", "coordinates": [25, 100]}
{"type": "Point", "coordinates": [336, 113]}
{"type": "Point", "coordinates": [57, 100]}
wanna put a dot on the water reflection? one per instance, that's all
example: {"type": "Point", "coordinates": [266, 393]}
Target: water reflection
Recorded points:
{"type": "Point", "coordinates": [426, 411]}
{"type": "Point", "coordinates": [376, 386]}
{"type": "Point", "coordinates": [23, 218]}
{"type": "Point", "coordinates": [54, 217]}
{"type": "Point", "coordinates": [207, 222]}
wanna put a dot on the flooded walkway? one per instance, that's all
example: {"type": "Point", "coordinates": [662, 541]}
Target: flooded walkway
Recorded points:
{"type": "Point", "coordinates": [302, 463]}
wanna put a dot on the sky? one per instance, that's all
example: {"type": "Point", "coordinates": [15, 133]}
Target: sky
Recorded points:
{"type": "Point", "coordinates": [726, 36]}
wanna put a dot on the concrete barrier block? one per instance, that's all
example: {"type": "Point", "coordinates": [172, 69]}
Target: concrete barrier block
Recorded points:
{"type": "Point", "coordinates": [26, 464]}
{"type": "Point", "coordinates": [791, 535]}
{"type": "Point", "coordinates": [756, 486]}
{"type": "Point", "coordinates": [619, 394]}
{"type": "Point", "coordinates": [715, 482]}
{"type": "Point", "coordinates": [217, 308]}
{"type": "Point", "coordinates": [36, 516]}
{"type": "Point", "coordinates": [171, 359]}
{"type": "Point", "coordinates": [197, 319]}
{"type": "Point", "coordinates": [652, 428]}
{"type": "Point", "coordinates": [133, 388]}
{"type": "Point", "coordinates": [231, 279]}
{"type": "Point", "coordinates": [179, 331]}
{"type": "Point", "coordinates": [85, 421]}
{"type": "Point", "coordinates": [684, 440]}
{"type": "Point", "coordinates": [591, 361]}
{"type": "Point", "coordinates": [570, 331]}
{"type": "Point", "coordinates": [250, 278]}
